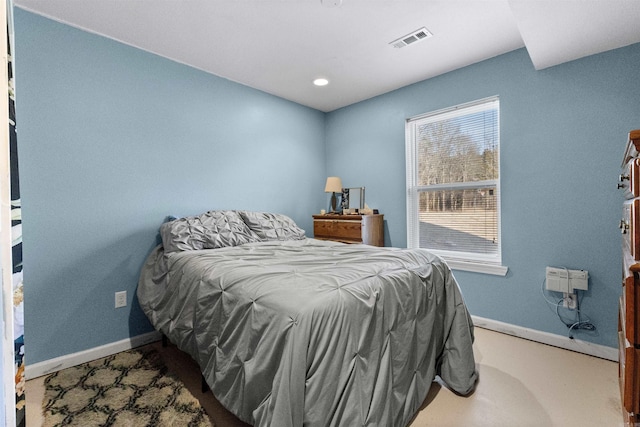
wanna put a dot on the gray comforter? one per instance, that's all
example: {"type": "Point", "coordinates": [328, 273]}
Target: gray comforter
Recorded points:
{"type": "Point", "coordinates": [314, 333]}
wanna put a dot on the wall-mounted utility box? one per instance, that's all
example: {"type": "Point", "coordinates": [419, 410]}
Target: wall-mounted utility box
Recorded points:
{"type": "Point", "coordinates": [564, 280]}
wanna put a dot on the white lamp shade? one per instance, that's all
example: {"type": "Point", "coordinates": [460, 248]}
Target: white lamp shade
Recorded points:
{"type": "Point", "coordinates": [334, 185]}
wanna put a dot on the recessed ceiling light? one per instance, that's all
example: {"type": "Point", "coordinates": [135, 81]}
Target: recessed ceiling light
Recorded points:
{"type": "Point", "coordinates": [321, 82]}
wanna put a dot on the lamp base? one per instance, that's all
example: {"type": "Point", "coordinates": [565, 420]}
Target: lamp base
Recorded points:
{"type": "Point", "coordinates": [333, 202]}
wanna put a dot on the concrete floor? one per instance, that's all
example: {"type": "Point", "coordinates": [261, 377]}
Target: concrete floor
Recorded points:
{"type": "Point", "coordinates": [522, 383]}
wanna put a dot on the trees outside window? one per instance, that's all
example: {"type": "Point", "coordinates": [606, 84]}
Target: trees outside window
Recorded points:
{"type": "Point", "coordinates": [453, 164]}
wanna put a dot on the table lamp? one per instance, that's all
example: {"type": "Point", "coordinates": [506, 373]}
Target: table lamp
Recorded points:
{"type": "Point", "coordinates": [334, 185]}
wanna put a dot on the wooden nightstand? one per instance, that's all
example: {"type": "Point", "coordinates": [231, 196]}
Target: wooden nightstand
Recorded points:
{"type": "Point", "coordinates": [367, 229]}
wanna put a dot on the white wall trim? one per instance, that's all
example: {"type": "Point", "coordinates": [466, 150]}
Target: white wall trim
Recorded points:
{"type": "Point", "coordinates": [52, 365]}
{"type": "Point", "coordinates": [585, 347]}
{"type": "Point", "coordinates": [477, 267]}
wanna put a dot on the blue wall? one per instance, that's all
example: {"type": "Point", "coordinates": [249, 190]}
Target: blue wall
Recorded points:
{"type": "Point", "coordinates": [112, 140]}
{"type": "Point", "coordinates": [563, 133]}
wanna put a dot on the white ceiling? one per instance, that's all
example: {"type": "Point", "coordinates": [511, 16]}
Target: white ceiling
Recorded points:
{"type": "Point", "coordinates": [280, 46]}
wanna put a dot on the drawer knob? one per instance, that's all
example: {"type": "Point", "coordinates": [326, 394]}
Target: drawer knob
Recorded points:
{"type": "Point", "coordinates": [622, 179]}
{"type": "Point", "coordinates": [624, 226]}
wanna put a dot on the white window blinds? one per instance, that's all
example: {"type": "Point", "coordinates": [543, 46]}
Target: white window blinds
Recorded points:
{"type": "Point", "coordinates": [453, 174]}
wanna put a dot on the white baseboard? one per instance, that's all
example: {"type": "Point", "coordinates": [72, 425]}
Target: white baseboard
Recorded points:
{"type": "Point", "coordinates": [52, 365]}
{"type": "Point", "coordinates": [579, 346]}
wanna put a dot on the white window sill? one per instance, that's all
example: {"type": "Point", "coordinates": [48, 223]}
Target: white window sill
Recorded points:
{"type": "Point", "coordinates": [476, 267]}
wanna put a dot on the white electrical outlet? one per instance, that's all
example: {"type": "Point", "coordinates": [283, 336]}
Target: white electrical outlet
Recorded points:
{"type": "Point", "coordinates": [121, 299]}
{"type": "Point", "coordinates": [570, 301]}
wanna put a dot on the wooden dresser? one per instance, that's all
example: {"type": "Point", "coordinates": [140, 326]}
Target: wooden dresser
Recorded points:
{"type": "Point", "coordinates": [629, 310]}
{"type": "Point", "coordinates": [367, 229]}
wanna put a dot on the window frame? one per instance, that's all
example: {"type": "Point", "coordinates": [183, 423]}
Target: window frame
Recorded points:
{"type": "Point", "coordinates": [482, 263]}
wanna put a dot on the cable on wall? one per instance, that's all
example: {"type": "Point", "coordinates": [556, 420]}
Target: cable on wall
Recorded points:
{"type": "Point", "coordinates": [579, 322]}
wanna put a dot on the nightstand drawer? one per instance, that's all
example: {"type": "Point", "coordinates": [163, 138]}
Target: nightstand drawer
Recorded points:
{"type": "Point", "coordinates": [367, 229]}
{"type": "Point", "coordinates": [338, 229]}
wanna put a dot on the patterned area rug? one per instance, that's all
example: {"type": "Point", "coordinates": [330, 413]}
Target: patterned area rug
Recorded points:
{"type": "Point", "coordinates": [132, 388]}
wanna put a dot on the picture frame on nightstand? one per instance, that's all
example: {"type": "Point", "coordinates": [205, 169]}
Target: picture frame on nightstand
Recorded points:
{"type": "Point", "coordinates": [352, 201]}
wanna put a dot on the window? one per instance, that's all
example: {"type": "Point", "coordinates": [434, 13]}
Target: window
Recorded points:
{"type": "Point", "coordinates": [453, 185]}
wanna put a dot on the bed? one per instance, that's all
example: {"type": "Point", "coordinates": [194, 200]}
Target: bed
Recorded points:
{"type": "Point", "coordinates": [293, 331]}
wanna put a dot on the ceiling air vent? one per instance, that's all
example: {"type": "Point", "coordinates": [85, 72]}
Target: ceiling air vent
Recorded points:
{"type": "Point", "coordinates": [413, 37]}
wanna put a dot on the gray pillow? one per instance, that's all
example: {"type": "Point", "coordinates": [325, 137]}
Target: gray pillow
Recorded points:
{"type": "Point", "coordinates": [211, 230]}
{"type": "Point", "coordinates": [272, 226]}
